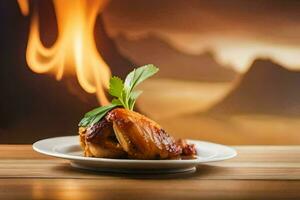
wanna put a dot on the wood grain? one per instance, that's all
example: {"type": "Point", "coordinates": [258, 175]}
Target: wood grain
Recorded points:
{"type": "Point", "coordinates": [138, 189]}
{"type": "Point", "coordinates": [258, 172]}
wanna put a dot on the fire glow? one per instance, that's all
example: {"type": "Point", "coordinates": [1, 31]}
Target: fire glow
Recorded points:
{"type": "Point", "coordinates": [74, 51]}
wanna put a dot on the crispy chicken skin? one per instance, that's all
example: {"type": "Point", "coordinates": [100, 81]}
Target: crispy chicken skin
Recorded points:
{"type": "Point", "coordinates": [99, 140]}
{"type": "Point", "coordinates": [123, 133]}
{"type": "Point", "coordinates": [141, 137]}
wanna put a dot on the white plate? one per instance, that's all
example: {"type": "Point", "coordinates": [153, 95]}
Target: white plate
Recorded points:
{"type": "Point", "coordinates": [68, 148]}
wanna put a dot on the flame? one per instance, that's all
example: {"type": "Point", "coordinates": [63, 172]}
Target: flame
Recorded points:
{"type": "Point", "coordinates": [75, 49]}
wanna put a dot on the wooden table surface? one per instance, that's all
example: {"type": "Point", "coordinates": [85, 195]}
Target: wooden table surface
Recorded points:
{"type": "Point", "coordinates": [258, 172]}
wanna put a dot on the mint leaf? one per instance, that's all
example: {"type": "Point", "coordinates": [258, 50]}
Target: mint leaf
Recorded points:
{"type": "Point", "coordinates": [139, 75]}
{"type": "Point", "coordinates": [116, 102]}
{"type": "Point", "coordinates": [95, 115]}
{"type": "Point", "coordinates": [124, 93]}
{"type": "Point", "coordinates": [132, 80]}
{"type": "Point", "coordinates": [115, 86]}
{"type": "Point", "coordinates": [133, 97]}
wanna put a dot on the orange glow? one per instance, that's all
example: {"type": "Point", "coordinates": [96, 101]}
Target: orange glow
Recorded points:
{"type": "Point", "coordinates": [24, 7]}
{"type": "Point", "coordinates": [74, 51]}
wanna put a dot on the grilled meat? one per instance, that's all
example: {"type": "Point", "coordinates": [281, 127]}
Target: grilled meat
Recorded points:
{"type": "Point", "coordinates": [141, 137]}
{"type": "Point", "coordinates": [99, 140]}
{"type": "Point", "coordinates": [124, 133]}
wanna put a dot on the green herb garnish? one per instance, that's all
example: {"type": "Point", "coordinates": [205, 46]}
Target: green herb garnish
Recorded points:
{"type": "Point", "coordinates": [124, 93]}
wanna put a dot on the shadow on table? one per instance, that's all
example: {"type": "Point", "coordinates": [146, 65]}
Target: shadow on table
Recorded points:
{"type": "Point", "coordinates": [201, 172]}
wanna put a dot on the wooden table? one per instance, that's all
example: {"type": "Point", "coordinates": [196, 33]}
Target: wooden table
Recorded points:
{"type": "Point", "coordinates": [258, 172]}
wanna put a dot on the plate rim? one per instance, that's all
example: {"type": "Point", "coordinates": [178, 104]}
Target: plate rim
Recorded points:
{"type": "Point", "coordinates": [52, 153]}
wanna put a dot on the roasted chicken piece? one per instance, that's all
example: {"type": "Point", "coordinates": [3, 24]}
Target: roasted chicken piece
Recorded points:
{"type": "Point", "coordinates": [141, 137]}
{"type": "Point", "coordinates": [99, 140]}
{"type": "Point", "coordinates": [124, 133]}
